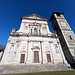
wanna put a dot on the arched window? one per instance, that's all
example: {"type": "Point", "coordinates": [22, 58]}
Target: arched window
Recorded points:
{"type": "Point", "coordinates": [11, 48]}
{"type": "Point", "coordinates": [35, 31]}
{"type": "Point", "coordinates": [31, 31]}
{"type": "Point", "coordinates": [39, 32]}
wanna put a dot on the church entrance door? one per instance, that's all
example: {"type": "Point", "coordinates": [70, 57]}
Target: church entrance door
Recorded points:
{"type": "Point", "coordinates": [22, 59]}
{"type": "Point", "coordinates": [48, 58]}
{"type": "Point", "coordinates": [36, 57]}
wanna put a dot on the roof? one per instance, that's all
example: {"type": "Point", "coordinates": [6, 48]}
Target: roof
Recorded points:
{"type": "Point", "coordinates": [34, 17]}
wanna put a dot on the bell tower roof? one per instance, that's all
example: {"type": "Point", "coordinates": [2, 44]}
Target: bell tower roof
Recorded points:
{"type": "Point", "coordinates": [52, 16]}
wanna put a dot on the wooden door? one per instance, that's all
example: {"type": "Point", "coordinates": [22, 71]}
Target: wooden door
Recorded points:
{"type": "Point", "coordinates": [22, 59]}
{"type": "Point", "coordinates": [48, 58]}
{"type": "Point", "coordinates": [36, 57]}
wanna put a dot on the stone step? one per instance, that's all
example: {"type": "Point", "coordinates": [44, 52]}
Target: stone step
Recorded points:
{"type": "Point", "coordinates": [8, 69]}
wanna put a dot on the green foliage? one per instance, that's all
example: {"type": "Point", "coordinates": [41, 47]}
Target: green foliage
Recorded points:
{"type": "Point", "coordinates": [49, 73]}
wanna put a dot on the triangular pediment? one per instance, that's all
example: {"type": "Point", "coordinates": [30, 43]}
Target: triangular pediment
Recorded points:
{"type": "Point", "coordinates": [34, 17]}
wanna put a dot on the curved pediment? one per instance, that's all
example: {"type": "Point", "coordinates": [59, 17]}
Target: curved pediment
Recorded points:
{"type": "Point", "coordinates": [47, 52]}
{"type": "Point", "coordinates": [23, 51]}
{"type": "Point", "coordinates": [35, 47]}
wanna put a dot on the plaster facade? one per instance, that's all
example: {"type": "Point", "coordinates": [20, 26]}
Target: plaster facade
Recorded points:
{"type": "Point", "coordinates": [33, 43]}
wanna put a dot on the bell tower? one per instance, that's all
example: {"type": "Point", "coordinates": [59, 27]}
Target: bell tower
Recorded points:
{"type": "Point", "coordinates": [65, 35]}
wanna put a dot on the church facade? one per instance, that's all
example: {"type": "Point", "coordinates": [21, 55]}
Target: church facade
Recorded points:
{"type": "Point", "coordinates": [33, 43]}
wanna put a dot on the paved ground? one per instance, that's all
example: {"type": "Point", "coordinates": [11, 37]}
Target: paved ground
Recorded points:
{"type": "Point", "coordinates": [6, 69]}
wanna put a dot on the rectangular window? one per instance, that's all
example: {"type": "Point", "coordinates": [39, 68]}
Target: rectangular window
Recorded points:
{"type": "Point", "coordinates": [48, 58]}
{"type": "Point", "coordinates": [22, 59]}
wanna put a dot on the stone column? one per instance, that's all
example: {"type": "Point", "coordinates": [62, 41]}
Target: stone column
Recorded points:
{"type": "Point", "coordinates": [41, 52]}
{"type": "Point", "coordinates": [27, 51]}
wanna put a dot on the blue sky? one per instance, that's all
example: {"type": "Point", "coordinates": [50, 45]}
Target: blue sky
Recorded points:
{"type": "Point", "coordinates": [12, 10]}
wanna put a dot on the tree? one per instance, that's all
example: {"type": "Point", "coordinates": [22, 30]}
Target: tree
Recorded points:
{"type": "Point", "coordinates": [2, 47]}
